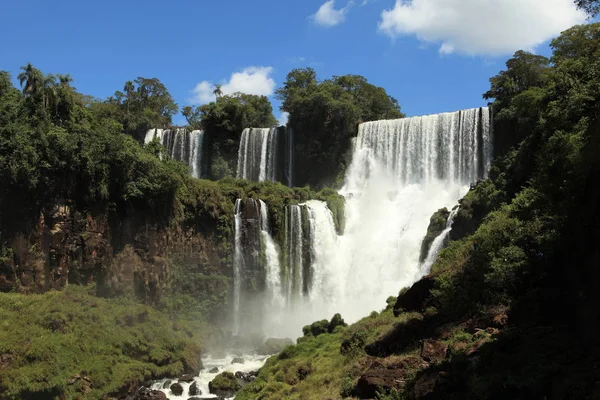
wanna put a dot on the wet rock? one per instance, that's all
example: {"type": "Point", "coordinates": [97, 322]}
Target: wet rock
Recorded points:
{"type": "Point", "coordinates": [214, 370]}
{"type": "Point", "coordinates": [433, 350]}
{"type": "Point", "coordinates": [194, 389]}
{"type": "Point", "coordinates": [186, 378]}
{"type": "Point", "coordinates": [238, 360]}
{"type": "Point", "coordinates": [246, 376]}
{"type": "Point", "coordinates": [177, 389]}
{"type": "Point", "coordinates": [167, 384]}
{"type": "Point", "coordinates": [273, 346]}
{"type": "Point", "coordinates": [148, 394]}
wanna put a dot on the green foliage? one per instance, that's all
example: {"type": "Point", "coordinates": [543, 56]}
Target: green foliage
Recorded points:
{"type": "Point", "coordinates": [324, 116]}
{"type": "Point", "coordinates": [324, 326]}
{"type": "Point", "coordinates": [52, 337]}
{"type": "Point", "coordinates": [437, 224]}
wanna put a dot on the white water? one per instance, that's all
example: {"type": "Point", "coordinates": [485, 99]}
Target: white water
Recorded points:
{"type": "Point", "coordinates": [238, 264]}
{"type": "Point", "coordinates": [438, 244]}
{"type": "Point", "coordinates": [402, 171]}
{"type": "Point", "coordinates": [181, 145]}
{"type": "Point", "coordinates": [257, 154]}
{"type": "Point", "coordinates": [274, 293]}
{"type": "Point", "coordinates": [252, 363]}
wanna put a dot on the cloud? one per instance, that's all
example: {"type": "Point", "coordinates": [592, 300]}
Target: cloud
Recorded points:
{"type": "Point", "coordinates": [283, 118]}
{"type": "Point", "coordinates": [327, 15]}
{"type": "Point", "coordinates": [251, 80]}
{"type": "Point", "coordinates": [202, 93]}
{"type": "Point", "coordinates": [481, 27]}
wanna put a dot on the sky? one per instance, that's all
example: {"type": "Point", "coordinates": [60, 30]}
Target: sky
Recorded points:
{"type": "Point", "coordinates": [432, 55]}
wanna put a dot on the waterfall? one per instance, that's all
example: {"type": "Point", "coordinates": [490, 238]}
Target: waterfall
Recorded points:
{"type": "Point", "coordinates": [438, 244]}
{"type": "Point", "coordinates": [257, 154]}
{"type": "Point", "coordinates": [293, 254]}
{"type": "Point", "coordinates": [256, 268]}
{"type": "Point", "coordinates": [181, 145]}
{"type": "Point", "coordinates": [402, 171]}
{"type": "Point", "coordinates": [266, 154]}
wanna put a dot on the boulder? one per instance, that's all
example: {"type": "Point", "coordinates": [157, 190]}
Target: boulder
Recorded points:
{"type": "Point", "coordinates": [238, 360]}
{"type": "Point", "coordinates": [224, 384]}
{"type": "Point", "coordinates": [167, 384]}
{"type": "Point", "coordinates": [378, 380]}
{"type": "Point", "coordinates": [214, 370]}
{"type": "Point", "coordinates": [177, 389]}
{"type": "Point", "coordinates": [148, 394]}
{"type": "Point", "coordinates": [194, 389]}
{"type": "Point", "coordinates": [186, 378]}
{"type": "Point", "coordinates": [414, 298]}
{"type": "Point", "coordinates": [246, 376]}
{"type": "Point", "coordinates": [433, 350]}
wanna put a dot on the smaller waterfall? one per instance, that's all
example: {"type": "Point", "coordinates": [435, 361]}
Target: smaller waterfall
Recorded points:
{"type": "Point", "coordinates": [256, 268]}
{"type": "Point", "coordinates": [181, 145]}
{"type": "Point", "coordinates": [257, 154]}
{"type": "Point", "coordinates": [438, 244]}
{"type": "Point", "coordinates": [266, 154]}
{"type": "Point", "coordinates": [238, 264]}
{"type": "Point", "coordinates": [293, 254]}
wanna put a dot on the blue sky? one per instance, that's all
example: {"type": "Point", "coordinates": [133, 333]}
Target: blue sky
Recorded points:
{"type": "Point", "coordinates": [432, 55]}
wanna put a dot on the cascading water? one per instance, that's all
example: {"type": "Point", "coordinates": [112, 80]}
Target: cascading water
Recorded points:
{"type": "Point", "coordinates": [257, 154]}
{"type": "Point", "coordinates": [181, 145]}
{"type": "Point", "coordinates": [256, 267]}
{"type": "Point", "coordinates": [265, 154]}
{"type": "Point", "coordinates": [401, 172]}
{"type": "Point", "coordinates": [438, 244]}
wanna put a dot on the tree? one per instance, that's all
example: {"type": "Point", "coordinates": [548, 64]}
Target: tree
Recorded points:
{"type": "Point", "coordinates": [31, 80]}
{"type": "Point", "coordinates": [592, 7]}
{"type": "Point", "coordinates": [325, 116]}
{"type": "Point", "coordinates": [192, 116]}
{"type": "Point", "coordinates": [217, 92]}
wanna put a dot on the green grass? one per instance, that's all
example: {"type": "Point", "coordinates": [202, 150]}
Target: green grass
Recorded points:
{"type": "Point", "coordinates": [49, 338]}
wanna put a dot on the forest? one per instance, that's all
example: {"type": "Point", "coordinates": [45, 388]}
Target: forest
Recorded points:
{"type": "Point", "coordinates": [115, 264]}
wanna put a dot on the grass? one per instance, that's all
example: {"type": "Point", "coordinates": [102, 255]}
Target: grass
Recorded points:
{"type": "Point", "coordinates": [47, 339]}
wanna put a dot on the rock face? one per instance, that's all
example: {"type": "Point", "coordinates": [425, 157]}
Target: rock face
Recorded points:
{"type": "Point", "coordinates": [238, 360]}
{"type": "Point", "coordinates": [214, 370]}
{"type": "Point", "coordinates": [224, 384]}
{"type": "Point", "coordinates": [437, 224]}
{"type": "Point", "coordinates": [121, 255]}
{"type": "Point", "coordinates": [433, 350]}
{"type": "Point", "coordinates": [415, 297]}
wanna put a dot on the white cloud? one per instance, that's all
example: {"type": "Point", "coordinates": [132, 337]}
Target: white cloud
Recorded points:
{"type": "Point", "coordinates": [202, 93]}
{"type": "Point", "coordinates": [476, 27]}
{"type": "Point", "coordinates": [283, 118]}
{"type": "Point", "coordinates": [327, 15]}
{"type": "Point", "coordinates": [251, 80]}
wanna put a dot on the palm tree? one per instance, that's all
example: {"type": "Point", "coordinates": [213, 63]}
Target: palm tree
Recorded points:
{"type": "Point", "coordinates": [31, 80]}
{"type": "Point", "coordinates": [217, 92]}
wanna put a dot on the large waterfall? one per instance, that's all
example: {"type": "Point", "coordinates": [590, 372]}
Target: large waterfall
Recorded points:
{"type": "Point", "coordinates": [181, 145]}
{"type": "Point", "coordinates": [265, 155]}
{"type": "Point", "coordinates": [402, 171]}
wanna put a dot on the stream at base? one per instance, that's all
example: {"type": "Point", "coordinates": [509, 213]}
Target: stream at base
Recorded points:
{"type": "Point", "coordinates": [252, 362]}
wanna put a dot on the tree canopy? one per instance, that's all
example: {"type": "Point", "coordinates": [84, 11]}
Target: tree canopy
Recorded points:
{"type": "Point", "coordinates": [324, 115]}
